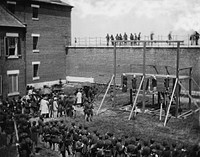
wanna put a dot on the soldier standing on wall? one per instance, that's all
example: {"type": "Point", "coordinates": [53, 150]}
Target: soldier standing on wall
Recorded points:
{"type": "Point", "coordinates": [112, 38]}
{"type": "Point", "coordinates": [117, 37]}
{"type": "Point", "coordinates": [170, 37]}
{"type": "Point", "coordinates": [151, 37]}
{"type": "Point", "coordinates": [196, 37]}
{"type": "Point", "coordinates": [131, 38]}
{"type": "Point", "coordinates": [135, 39]}
{"type": "Point", "coordinates": [139, 37]}
{"type": "Point", "coordinates": [125, 38]}
{"type": "Point", "coordinates": [107, 39]}
{"type": "Point", "coordinates": [75, 41]}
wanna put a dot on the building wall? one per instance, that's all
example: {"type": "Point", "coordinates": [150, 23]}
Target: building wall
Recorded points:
{"type": "Point", "coordinates": [97, 62]}
{"type": "Point", "coordinates": [54, 27]}
{"type": "Point", "coordinates": [12, 64]}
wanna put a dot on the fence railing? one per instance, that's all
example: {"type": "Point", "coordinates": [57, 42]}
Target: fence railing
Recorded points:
{"type": "Point", "coordinates": [102, 41]}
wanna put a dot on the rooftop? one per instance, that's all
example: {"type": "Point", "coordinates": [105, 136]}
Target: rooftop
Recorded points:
{"type": "Point", "coordinates": [7, 19]}
{"type": "Point", "coordinates": [58, 2]}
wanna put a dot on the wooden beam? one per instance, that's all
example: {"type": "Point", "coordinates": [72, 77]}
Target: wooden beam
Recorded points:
{"type": "Point", "coordinates": [158, 75]}
{"type": "Point", "coordinates": [171, 99]}
{"type": "Point", "coordinates": [105, 95]}
{"type": "Point", "coordinates": [135, 100]}
{"type": "Point", "coordinates": [144, 76]}
{"type": "Point", "coordinates": [114, 75]}
{"type": "Point", "coordinates": [195, 83]}
{"type": "Point", "coordinates": [185, 113]}
{"type": "Point", "coordinates": [189, 95]}
{"type": "Point", "coordinates": [177, 77]}
{"type": "Point", "coordinates": [190, 87]}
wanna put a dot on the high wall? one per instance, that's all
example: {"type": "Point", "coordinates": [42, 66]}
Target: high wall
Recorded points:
{"type": "Point", "coordinates": [97, 62]}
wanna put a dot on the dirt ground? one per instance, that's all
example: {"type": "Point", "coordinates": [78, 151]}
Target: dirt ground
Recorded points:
{"type": "Point", "coordinates": [144, 126]}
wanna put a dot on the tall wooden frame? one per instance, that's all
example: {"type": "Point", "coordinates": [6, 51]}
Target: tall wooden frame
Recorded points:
{"type": "Point", "coordinates": [175, 92]}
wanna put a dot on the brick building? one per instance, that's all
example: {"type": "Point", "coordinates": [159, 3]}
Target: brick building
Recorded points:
{"type": "Point", "coordinates": [12, 55]}
{"type": "Point", "coordinates": [48, 24]}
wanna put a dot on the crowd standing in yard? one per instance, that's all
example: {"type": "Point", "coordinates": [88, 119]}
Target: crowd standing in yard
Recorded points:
{"type": "Point", "coordinates": [74, 139]}
{"type": "Point", "coordinates": [35, 104]}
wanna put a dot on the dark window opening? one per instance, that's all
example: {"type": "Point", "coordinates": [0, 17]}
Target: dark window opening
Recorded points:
{"type": "Point", "coordinates": [35, 42]}
{"type": "Point", "coordinates": [35, 12]}
{"type": "Point", "coordinates": [11, 8]}
{"type": "Point", "coordinates": [35, 70]}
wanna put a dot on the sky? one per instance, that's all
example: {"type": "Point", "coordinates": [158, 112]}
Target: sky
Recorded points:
{"type": "Point", "coordinates": [96, 18]}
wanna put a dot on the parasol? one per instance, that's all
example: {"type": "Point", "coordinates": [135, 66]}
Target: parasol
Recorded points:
{"type": "Point", "coordinates": [45, 91]}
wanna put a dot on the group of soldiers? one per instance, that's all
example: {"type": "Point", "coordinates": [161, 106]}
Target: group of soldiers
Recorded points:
{"type": "Point", "coordinates": [194, 38]}
{"type": "Point", "coordinates": [136, 38]}
{"type": "Point", "coordinates": [78, 140]}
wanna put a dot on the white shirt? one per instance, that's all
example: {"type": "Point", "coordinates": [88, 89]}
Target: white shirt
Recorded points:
{"type": "Point", "coordinates": [44, 106]}
{"type": "Point", "coordinates": [55, 105]}
{"type": "Point", "coordinates": [79, 97]}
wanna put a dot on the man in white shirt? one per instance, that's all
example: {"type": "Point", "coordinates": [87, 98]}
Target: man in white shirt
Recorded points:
{"type": "Point", "coordinates": [55, 107]}
{"type": "Point", "coordinates": [79, 98]}
{"type": "Point", "coordinates": [44, 107]}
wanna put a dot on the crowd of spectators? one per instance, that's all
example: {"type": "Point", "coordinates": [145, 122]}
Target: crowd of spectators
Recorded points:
{"type": "Point", "coordinates": [35, 104]}
{"type": "Point", "coordinates": [74, 139]}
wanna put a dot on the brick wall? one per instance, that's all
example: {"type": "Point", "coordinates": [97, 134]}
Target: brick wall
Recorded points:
{"type": "Point", "coordinates": [97, 62]}
{"type": "Point", "coordinates": [54, 27]}
{"type": "Point", "coordinates": [12, 64]}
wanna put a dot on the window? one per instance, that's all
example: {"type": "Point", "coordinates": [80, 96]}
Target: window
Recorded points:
{"type": "Point", "coordinates": [0, 85]}
{"type": "Point", "coordinates": [36, 70]}
{"type": "Point", "coordinates": [35, 42]}
{"type": "Point", "coordinates": [12, 45]}
{"type": "Point", "coordinates": [11, 6]}
{"type": "Point", "coordinates": [13, 82]}
{"type": "Point", "coordinates": [35, 11]}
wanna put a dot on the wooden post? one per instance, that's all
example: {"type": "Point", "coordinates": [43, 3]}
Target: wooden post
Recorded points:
{"type": "Point", "coordinates": [153, 98]}
{"type": "Point", "coordinates": [177, 77]}
{"type": "Point", "coordinates": [105, 95]}
{"type": "Point", "coordinates": [194, 101]}
{"type": "Point", "coordinates": [135, 100]}
{"type": "Point", "coordinates": [114, 76]}
{"type": "Point", "coordinates": [199, 117]}
{"type": "Point", "coordinates": [144, 76]}
{"type": "Point", "coordinates": [131, 96]}
{"type": "Point", "coordinates": [169, 106]}
{"type": "Point", "coordinates": [161, 108]}
{"type": "Point", "coordinates": [190, 87]}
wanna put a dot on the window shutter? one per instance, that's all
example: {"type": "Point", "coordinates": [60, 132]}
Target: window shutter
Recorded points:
{"type": "Point", "coordinates": [6, 46]}
{"type": "Point", "coordinates": [19, 47]}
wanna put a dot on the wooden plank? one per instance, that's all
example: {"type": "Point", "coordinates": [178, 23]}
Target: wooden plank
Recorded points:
{"type": "Point", "coordinates": [185, 113]}
{"type": "Point", "coordinates": [135, 100]}
{"type": "Point", "coordinates": [168, 109]}
{"type": "Point", "coordinates": [158, 75]}
{"type": "Point", "coordinates": [189, 95]}
{"type": "Point", "coordinates": [105, 95]}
